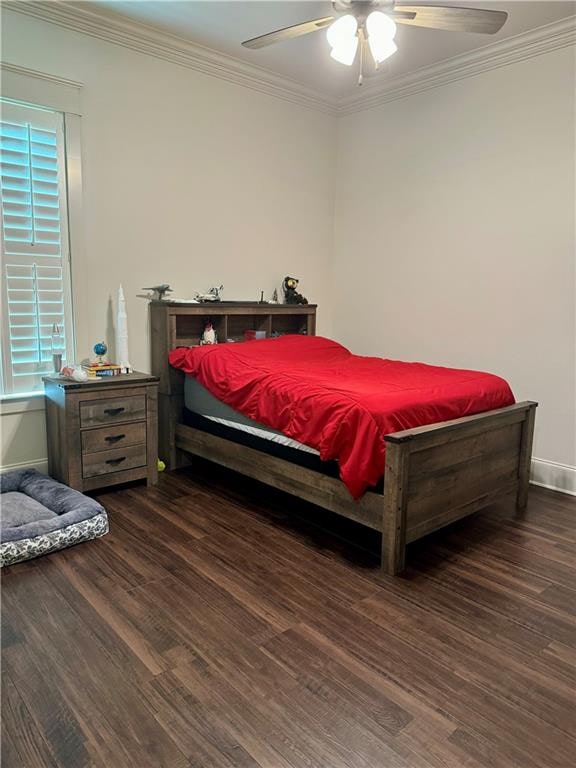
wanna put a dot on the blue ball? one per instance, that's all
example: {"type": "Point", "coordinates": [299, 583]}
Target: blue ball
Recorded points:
{"type": "Point", "coordinates": [100, 348]}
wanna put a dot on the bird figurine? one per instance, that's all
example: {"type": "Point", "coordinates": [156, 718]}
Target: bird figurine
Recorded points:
{"type": "Point", "coordinates": [158, 291]}
{"type": "Point", "coordinates": [209, 335]}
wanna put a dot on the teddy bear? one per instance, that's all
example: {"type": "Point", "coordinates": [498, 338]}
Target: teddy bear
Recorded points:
{"type": "Point", "coordinates": [291, 295]}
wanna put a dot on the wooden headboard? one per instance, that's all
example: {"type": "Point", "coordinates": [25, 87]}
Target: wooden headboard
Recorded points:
{"type": "Point", "coordinates": [180, 325]}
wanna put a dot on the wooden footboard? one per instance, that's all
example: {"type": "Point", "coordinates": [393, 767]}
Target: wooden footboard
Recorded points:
{"type": "Point", "coordinates": [443, 472]}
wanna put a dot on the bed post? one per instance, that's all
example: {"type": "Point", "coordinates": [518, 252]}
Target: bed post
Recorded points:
{"type": "Point", "coordinates": [171, 386]}
{"type": "Point", "coordinates": [395, 501]}
{"type": "Point", "coordinates": [525, 459]}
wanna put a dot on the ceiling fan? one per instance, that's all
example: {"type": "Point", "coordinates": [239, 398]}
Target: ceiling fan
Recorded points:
{"type": "Point", "coordinates": [374, 22]}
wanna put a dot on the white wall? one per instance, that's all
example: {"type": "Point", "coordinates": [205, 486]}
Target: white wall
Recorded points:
{"type": "Point", "coordinates": [188, 180]}
{"type": "Point", "coordinates": [23, 433]}
{"type": "Point", "coordinates": [454, 234]}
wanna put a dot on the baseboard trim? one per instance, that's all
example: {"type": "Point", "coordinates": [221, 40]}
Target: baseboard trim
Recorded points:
{"type": "Point", "coordinates": [40, 464]}
{"type": "Point", "coordinates": [557, 477]}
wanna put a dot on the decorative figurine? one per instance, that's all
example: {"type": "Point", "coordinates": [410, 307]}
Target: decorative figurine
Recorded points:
{"type": "Point", "coordinates": [216, 292]}
{"type": "Point", "coordinates": [122, 334]}
{"type": "Point", "coordinates": [291, 295]}
{"type": "Point", "coordinates": [209, 335]}
{"type": "Point", "coordinates": [274, 299]}
{"type": "Point", "coordinates": [100, 349]}
{"type": "Point", "coordinates": [212, 295]}
{"type": "Point", "coordinates": [158, 292]}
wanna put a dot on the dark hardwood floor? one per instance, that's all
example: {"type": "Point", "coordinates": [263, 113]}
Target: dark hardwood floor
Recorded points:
{"type": "Point", "coordinates": [223, 624]}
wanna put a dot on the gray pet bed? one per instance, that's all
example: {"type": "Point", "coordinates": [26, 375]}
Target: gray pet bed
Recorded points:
{"type": "Point", "coordinates": [39, 515]}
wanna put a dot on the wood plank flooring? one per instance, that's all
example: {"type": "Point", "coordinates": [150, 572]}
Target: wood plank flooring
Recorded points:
{"type": "Point", "coordinates": [223, 624]}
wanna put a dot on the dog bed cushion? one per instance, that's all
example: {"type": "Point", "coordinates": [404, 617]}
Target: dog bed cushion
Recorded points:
{"type": "Point", "coordinates": [19, 509]}
{"type": "Point", "coordinates": [39, 515]}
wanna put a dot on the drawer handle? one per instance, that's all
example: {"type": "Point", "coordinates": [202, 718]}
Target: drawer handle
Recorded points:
{"type": "Point", "coordinates": [114, 438]}
{"type": "Point", "coordinates": [114, 462]}
{"type": "Point", "coordinates": [113, 411]}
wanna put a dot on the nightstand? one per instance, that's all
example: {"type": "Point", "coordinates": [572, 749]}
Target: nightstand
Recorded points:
{"type": "Point", "coordinates": [103, 431]}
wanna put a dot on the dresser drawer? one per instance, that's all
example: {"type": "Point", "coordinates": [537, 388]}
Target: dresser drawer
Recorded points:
{"type": "Point", "coordinates": [98, 413]}
{"type": "Point", "coordinates": [105, 438]}
{"type": "Point", "coordinates": [115, 460]}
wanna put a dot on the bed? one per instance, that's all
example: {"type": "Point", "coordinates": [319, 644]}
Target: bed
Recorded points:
{"type": "Point", "coordinates": [430, 474]}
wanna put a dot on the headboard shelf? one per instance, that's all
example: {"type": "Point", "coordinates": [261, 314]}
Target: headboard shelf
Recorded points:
{"type": "Point", "coordinates": [233, 307]}
{"type": "Point", "coordinates": [177, 324]}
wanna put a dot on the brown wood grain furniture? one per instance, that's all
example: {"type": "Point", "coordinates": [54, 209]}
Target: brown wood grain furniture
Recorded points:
{"type": "Point", "coordinates": [102, 432]}
{"type": "Point", "coordinates": [433, 475]}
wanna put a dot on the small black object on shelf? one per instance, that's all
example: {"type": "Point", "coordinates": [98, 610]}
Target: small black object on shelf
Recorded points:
{"type": "Point", "coordinates": [291, 295]}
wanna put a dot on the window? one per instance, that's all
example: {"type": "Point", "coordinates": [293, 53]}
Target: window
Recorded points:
{"type": "Point", "coordinates": [36, 291]}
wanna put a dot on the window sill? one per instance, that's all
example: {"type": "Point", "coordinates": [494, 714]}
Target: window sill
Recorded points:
{"type": "Point", "coordinates": [24, 402]}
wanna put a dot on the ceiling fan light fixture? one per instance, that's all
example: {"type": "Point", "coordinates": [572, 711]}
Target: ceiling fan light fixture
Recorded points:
{"type": "Point", "coordinates": [381, 31]}
{"type": "Point", "coordinates": [342, 37]}
{"type": "Point", "coordinates": [349, 33]}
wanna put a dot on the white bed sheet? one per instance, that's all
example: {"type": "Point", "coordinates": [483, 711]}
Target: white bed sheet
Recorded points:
{"type": "Point", "coordinates": [274, 437]}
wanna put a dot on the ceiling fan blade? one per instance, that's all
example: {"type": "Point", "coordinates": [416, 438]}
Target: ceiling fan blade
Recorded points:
{"type": "Point", "coordinates": [288, 32]}
{"type": "Point", "coordinates": [450, 18]}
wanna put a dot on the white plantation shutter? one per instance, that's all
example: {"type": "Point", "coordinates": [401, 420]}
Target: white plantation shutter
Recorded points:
{"type": "Point", "coordinates": [35, 252]}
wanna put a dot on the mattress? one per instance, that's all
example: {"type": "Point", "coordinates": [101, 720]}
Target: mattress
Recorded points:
{"type": "Point", "coordinates": [198, 400]}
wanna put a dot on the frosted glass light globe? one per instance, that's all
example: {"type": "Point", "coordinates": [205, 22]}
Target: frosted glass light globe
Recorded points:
{"type": "Point", "coordinates": [381, 31]}
{"type": "Point", "coordinates": [342, 30]}
{"type": "Point", "coordinates": [380, 24]}
{"type": "Point", "coordinates": [343, 40]}
{"type": "Point", "coordinates": [381, 49]}
{"type": "Point", "coordinates": [345, 53]}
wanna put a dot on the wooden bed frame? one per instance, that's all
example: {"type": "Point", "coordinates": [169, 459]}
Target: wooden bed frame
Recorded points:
{"type": "Point", "coordinates": [433, 475]}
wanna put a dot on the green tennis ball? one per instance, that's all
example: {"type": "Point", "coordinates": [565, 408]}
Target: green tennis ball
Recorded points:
{"type": "Point", "coordinates": [161, 465]}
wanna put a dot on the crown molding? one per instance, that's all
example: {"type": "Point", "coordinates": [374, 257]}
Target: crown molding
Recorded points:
{"type": "Point", "coordinates": [142, 38]}
{"type": "Point", "coordinates": [113, 28]}
{"type": "Point", "coordinates": [511, 50]}
{"type": "Point", "coordinates": [41, 89]}
{"type": "Point", "coordinates": [5, 66]}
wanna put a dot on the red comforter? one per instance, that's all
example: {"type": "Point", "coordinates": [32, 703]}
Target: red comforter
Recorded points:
{"type": "Point", "coordinates": [317, 392]}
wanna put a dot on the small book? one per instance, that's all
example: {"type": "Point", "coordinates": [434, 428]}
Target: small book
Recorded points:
{"type": "Point", "coordinates": [102, 369]}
